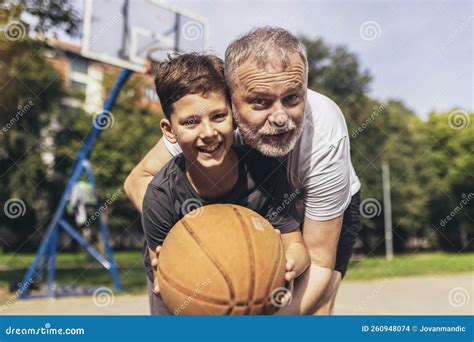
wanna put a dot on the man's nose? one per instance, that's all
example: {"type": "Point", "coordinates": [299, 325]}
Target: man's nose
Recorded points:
{"type": "Point", "coordinates": [278, 118]}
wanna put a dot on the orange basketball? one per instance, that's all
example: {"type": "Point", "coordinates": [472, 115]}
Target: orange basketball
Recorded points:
{"type": "Point", "coordinates": [221, 259]}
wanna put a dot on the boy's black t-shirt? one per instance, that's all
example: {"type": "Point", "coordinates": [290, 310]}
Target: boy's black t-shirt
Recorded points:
{"type": "Point", "coordinates": [262, 186]}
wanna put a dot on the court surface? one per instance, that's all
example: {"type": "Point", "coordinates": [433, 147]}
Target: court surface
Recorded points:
{"type": "Point", "coordinates": [427, 295]}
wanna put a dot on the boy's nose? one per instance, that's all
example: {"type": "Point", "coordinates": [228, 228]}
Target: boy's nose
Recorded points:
{"type": "Point", "coordinates": [207, 131]}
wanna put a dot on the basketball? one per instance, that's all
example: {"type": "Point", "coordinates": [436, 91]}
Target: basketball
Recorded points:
{"type": "Point", "coordinates": [221, 259]}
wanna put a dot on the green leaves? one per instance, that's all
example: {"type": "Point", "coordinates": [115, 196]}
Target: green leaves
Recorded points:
{"type": "Point", "coordinates": [431, 163]}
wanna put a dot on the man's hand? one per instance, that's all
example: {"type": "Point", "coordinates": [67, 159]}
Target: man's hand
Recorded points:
{"type": "Point", "coordinates": [321, 238]}
{"type": "Point", "coordinates": [290, 280]}
{"type": "Point", "coordinates": [290, 276]}
{"type": "Point", "coordinates": [137, 181]}
{"type": "Point", "coordinates": [290, 270]}
{"type": "Point", "coordinates": [290, 273]}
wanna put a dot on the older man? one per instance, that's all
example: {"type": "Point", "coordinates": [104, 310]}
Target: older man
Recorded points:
{"type": "Point", "coordinates": [267, 71]}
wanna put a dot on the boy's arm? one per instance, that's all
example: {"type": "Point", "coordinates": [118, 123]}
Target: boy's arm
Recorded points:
{"type": "Point", "coordinates": [295, 249]}
{"type": "Point", "coordinates": [137, 181]}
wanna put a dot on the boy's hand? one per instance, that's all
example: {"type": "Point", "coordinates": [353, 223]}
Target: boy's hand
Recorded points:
{"type": "Point", "coordinates": [154, 265]}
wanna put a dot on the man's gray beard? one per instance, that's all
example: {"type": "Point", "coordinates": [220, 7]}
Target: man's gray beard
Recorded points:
{"type": "Point", "coordinates": [274, 148]}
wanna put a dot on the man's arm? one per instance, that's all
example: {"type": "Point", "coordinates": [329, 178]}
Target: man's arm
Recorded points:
{"type": "Point", "coordinates": [321, 238]}
{"type": "Point", "coordinates": [137, 181]}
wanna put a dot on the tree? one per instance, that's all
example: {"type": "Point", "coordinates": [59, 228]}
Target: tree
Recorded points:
{"type": "Point", "coordinates": [30, 91]}
{"type": "Point", "coordinates": [378, 131]}
{"type": "Point", "coordinates": [451, 138]}
{"type": "Point", "coordinates": [132, 131]}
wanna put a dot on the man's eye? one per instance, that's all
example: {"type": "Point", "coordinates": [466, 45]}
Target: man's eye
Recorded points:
{"type": "Point", "coordinates": [260, 102]}
{"type": "Point", "coordinates": [292, 99]}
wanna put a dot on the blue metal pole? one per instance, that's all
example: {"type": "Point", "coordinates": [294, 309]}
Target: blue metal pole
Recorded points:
{"type": "Point", "coordinates": [77, 170]}
{"type": "Point", "coordinates": [52, 261]}
{"type": "Point", "coordinates": [96, 255]}
{"type": "Point", "coordinates": [104, 232]}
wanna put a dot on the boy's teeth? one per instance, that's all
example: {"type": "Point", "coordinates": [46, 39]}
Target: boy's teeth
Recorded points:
{"type": "Point", "coordinates": [211, 148]}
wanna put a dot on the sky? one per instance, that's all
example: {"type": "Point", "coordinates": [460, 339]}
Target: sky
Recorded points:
{"type": "Point", "coordinates": [419, 52]}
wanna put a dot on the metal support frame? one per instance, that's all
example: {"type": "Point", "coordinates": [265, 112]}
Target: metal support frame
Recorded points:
{"type": "Point", "coordinates": [45, 259]}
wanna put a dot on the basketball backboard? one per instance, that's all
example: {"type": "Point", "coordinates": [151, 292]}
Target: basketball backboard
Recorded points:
{"type": "Point", "coordinates": [125, 32]}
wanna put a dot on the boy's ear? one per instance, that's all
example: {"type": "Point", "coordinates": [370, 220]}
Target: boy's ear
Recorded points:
{"type": "Point", "coordinates": [168, 133]}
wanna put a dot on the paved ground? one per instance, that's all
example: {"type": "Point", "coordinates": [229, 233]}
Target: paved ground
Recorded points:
{"type": "Point", "coordinates": [435, 295]}
{"type": "Point", "coordinates": [427, 295]}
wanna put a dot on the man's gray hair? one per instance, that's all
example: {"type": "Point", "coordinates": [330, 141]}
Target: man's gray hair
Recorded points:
{"type": "Point", "coordinates": [263, 45]}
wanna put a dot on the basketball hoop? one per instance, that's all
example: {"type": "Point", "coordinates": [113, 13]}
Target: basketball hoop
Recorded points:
{"type": "Point", "coordinates": [128, 35]}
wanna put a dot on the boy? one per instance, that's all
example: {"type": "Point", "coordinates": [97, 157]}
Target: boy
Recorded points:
{"type": "Point", "coordinates": [196, 104]}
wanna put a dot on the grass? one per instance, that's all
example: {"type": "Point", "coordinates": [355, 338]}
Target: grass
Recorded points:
{"type": "Point", "coordinates": [81, 270]}
{"type": "Point", "coordinates": [410, 265]}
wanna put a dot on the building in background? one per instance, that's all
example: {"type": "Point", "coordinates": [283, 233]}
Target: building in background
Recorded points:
{"type": "Point", "coordinates": [84, 82]}
{"type": "Point", "coordinates": [83, 78]}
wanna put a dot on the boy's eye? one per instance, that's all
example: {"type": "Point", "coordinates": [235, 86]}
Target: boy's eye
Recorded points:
{"type": "Point", "coordinates": [190, 121]}
{"type": "Point", "coordinates": [220, 117]}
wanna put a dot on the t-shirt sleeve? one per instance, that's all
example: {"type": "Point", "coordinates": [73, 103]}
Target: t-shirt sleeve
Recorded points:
{"type": "Point", "coordinates": [328, 186]}
{"type": "Point", "coordinates": [158, 215]}
{"type": "Point", "coordinates": [280, 209]}
{"type": "Point", "coordinates": [174, 149]}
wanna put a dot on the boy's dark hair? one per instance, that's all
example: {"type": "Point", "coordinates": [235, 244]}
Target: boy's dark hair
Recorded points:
{"type": "Point", "coordinates": [190, 73]}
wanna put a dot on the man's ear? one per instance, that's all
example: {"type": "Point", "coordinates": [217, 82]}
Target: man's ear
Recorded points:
{"type": "Point", "coordinates": [168, 133]}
